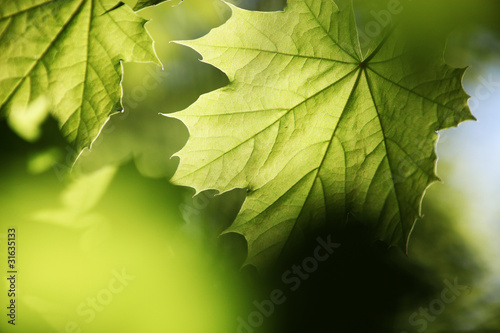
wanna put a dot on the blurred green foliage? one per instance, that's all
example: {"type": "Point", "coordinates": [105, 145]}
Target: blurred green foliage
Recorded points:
{"type": "Point", "coordinates": [115, 208]}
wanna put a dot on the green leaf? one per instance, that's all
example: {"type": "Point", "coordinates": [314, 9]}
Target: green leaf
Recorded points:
{"type": "Point", "coordinates": [69, 53]}
{"type": "Point", "coordinates": [316, 131]}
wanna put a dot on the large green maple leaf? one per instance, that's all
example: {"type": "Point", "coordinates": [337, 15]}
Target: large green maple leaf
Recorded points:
{"type": "Point", "coordinates": [69, 53]}
{"type": "Point", "coordinates": [316, 131]}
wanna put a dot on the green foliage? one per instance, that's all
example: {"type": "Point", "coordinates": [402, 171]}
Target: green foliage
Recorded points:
{"type": "Point", "coordinates": [68, 55]}
{"type": "Point", "coordinates": [315, 130]}
{"type": "Point", "coordinates": [108, 215]}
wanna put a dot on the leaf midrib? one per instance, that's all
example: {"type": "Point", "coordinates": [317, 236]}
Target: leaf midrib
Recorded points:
{"type": "Point", "coordinates": [321, 163]}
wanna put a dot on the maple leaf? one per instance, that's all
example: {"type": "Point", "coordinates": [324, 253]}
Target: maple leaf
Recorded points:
{"type": "Point", "coordinates": [315, 130]}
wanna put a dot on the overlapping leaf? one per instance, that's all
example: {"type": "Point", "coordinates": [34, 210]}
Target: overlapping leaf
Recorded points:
{"type": "Point", "coordinates": [141, 4]}
{"type": "Point", "coordinates": [68, 53]}
{"type": "Point", "coordinates": [316, 131]}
